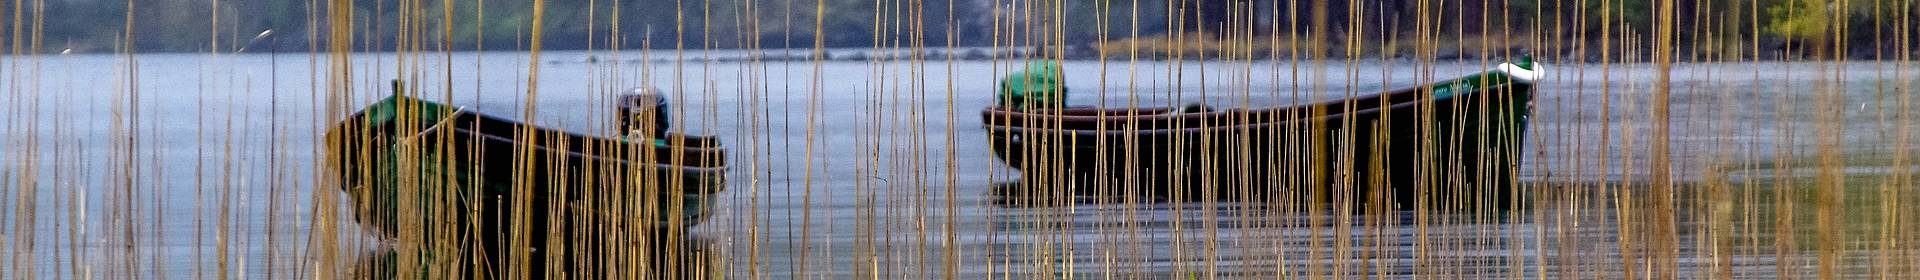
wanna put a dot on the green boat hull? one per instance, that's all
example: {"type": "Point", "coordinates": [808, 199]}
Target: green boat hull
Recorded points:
{"type": "Point", "coordinates": [419, 170]}
{"type": "Point", "coordinates": [1456, 143]}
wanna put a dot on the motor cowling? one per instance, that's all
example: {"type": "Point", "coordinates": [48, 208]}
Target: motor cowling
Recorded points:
{"type": "Point", "coordinates": [643, 111]}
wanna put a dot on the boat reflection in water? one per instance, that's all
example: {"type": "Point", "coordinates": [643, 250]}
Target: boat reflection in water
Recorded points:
{"type": "Point", "coordinates": [692, 257]}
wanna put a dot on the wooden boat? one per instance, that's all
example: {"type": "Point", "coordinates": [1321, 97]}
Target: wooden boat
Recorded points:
{"type": "Point", "coordinates": [447, 171]}
{"type": "Point", "coordinates": [1456, 141]}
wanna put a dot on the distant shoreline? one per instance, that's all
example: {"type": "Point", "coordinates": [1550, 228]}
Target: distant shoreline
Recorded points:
{"type": "Point", "coordinates": [1085, 53]}
{"type": "Point", "coordinates": [1076, 53]}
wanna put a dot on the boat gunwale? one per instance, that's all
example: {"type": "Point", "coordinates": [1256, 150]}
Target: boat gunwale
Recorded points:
{"type": "Point", "coordinates": [565, 134]}
{"type": "Point", "coordinates": [716, 151]}
{"type": "Point", "coordinates": [721, 169]}
{"type": "Point", "coordinates": [997, 112]}
{"type": "Point", "coordinates": [1124, 131]}
{"type": "Point", "coordinates": [1158, 113]}
{"type": "Point", "coordinates": [1150, 116]}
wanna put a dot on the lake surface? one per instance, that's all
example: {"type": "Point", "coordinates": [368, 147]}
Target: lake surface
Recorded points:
{"type": "Point", "coordinates": [859, 169]}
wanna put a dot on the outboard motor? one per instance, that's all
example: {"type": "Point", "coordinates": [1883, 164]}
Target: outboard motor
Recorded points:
{"type": "Point", "coordinates": [643, 113]}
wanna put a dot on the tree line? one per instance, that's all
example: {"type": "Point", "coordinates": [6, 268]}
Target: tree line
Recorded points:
{"type": "Point", "coordinates": [1783, 27]}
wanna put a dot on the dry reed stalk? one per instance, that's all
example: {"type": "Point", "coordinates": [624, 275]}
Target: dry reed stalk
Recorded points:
{"type": "Point", "coordinates": [1902, 225]}
{"type": "Point", "coordinates": [24, 178]}
{"type": "Point", "coordinates": [1664, 246]}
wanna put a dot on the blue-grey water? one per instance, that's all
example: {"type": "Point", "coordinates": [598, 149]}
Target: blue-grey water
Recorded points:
{"type": "Point", "coordinates": [891, 152]}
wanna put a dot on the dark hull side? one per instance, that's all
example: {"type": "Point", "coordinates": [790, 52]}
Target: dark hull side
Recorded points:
{"type": "Point", "coordinates": [455, 173]}
{"type": "Point", "coordinates": [1460, 150]}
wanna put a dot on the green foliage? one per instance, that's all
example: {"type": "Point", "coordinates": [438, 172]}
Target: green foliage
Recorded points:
{"type": "Point", "coordinates": [1814, 19]}
{"type": "Point", "coordinates": [1622, 15]}
{"type": "Point", "coordinates": [1798, 19]}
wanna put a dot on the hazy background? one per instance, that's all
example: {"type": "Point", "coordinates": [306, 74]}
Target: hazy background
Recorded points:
{"type": "Point", "coordinates": [1735, 27]}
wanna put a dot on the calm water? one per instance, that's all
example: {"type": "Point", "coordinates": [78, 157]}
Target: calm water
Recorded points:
{"type": "Point", "coordinates": [897, 158]}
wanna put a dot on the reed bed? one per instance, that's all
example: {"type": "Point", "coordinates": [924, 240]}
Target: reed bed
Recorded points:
{"type": "Point", "coordinates": [1667, 139]}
